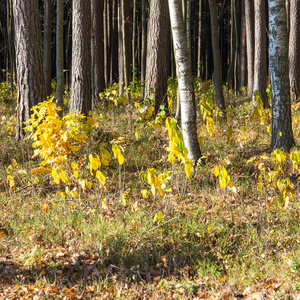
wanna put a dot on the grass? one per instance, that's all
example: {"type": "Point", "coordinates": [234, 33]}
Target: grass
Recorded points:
{"type": "Point", "coordinates": [211, 242]}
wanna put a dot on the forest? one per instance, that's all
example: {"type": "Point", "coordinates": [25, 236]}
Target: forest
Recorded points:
{"type": "Point", "coordinates": [149, 149]}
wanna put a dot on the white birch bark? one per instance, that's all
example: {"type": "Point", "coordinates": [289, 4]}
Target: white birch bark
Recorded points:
{"type": "Point", "coordinates": [185, 82]}
{"type": "Point", "coordinates": [282, 134]}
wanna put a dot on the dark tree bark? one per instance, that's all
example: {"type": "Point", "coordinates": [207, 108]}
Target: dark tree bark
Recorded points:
{"type": "Point", "coordinates": [81, 58]}
{"type": "Point", "coordinates": [99, 80]}
{"type": "Point", "coordinates": [47, 45]}
{"type": "Point", "coordinates": [242, 57]}
{"type": "Point", "coordinates": [199, 40]}
{"type": "Point", "coordinates": [260, 52]}
{"type": "Point", "coordinates": [294, 49]}
{"type": "Point", "coordinates": [157, 52]}
{"type": "Point", "coordinates": [282, 133]}
{"type": "Point", "coordinates": [249, 14]}
{"type": "Point", "coordinates": [60, 53]}
{"type": "Point", "coordinates": [30, 76]}
{"type": "Point", "coordinates": [217, 57]}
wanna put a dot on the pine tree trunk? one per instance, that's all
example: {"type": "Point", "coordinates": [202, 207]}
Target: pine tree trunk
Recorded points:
{"type": "Point", "coordinates": [249, 13]}
{"type": "Point", "coordinates": [294, 50]}
{"type": "Point", "coordinates": [260, 52]}
{"type": "Point", "coordinates": [185, 82]}
{"type": "Point", "coordinates": [60, 53]}
{"type": "Point", "coordinates": [217, 57]}
{"type": "Point", "coordinates": [30, 75]}
{"type": "Point", "coordinates": [282, 134]}
{"type": "Point", "coordinates": [99, 80]}
{"type": "Point", "coordinates": [199, 62]}
{"type": "Point", "coordinates": [47, 45]}
{"type": "Point", "coordinates": [144, 42]}
{"type": "Point", "coordinates": [81, 58]}
{"type": "Point", "coordinates": [157, 52]}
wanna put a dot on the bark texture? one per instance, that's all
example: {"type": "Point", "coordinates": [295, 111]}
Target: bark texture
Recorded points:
{"type": "Point", "coordinates": [249, 13]}
{"type": "Point", "coordinates": [282, 134]}
{"type": "Point", "coordinates": [99, 80]}
{"type": "Point", "coordinates": [217, 56]}
{"type": "Point", "coordinates": [185, 82]}
{"type": "Point", "coordinates": [294, 49]}
{"type": "Point", "coordinates": [157, 52]}
{"type": "Point", "coordinates": [260, 52]}
{"type": "Point", "coordinates": [81, 57]}
{"type": "Point", "coordinates": [47, 45]}
{"type": "Point", "coordinates": [60, 53]}
{"type": "Point", "coordinates": [30, 76]}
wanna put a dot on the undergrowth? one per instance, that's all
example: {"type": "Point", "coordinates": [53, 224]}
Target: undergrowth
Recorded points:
{"type": "Point", "coordinates": [106, 206]}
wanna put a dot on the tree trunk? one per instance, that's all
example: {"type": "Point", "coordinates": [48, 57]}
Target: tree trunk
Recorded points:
{"type": "Point", "coordinates": [144, 42]}
{"type": "Point", "coordinates": [282, 134]}
{"type": "Point", "coordinates": [199, 62]}
{"type": "Point", "coordinates": [30, 76]}
{"type": "Point", "coordinates": [157, 52]}
{"type": "Point", "coordinates": [81, 58]}
{"type": "Point", "coordinates": [294, 50]}
{"type": "Point", "coordinates": [242, 65]}
{"type": "Point", "coordinates": [47, 45]}
{"type": "Point", "coordinates": [249, 13]}
{"type": "Point", "coordinates": [99, 80]}
{"type": "Point", "coordinates": [260, 52]}
{"type": "Point", "coordinates": [217, 57]}
{"type": "Point", "coordinates": [185, 82]}
{"type": "Point", "coordinates": [60, 53]}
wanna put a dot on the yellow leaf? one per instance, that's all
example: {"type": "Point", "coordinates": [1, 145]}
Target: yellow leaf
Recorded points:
{"type": "Point", "coordinates": [82, 183]}
{"type": "Point", "coordinates": [188, 167]}
{"type": "Point", "coordinates": [105, 156]}
{"type": "Point", "coordinates": [56, 176]}
{"type": "Point", "coordinates": [100, 177]}
{"type": "Point", "coordinates": [9, 169]}
{"type": "Point", "coordinates": [76, 174]}
{"type": "Point", "coordinates": [216, 171]}
{"type": "Point", "coordinates": [145, 194]}
{"type": "Point", "coordinates": [15, 164]}
{"type": "Point", "coordinates": [124, 99]}
{"type": "Point", "coordinates": [45, 207]}
{"type": "Point", "coordinates": [89, 184]}
{"type": "Point", "coordinates": [11, 181]}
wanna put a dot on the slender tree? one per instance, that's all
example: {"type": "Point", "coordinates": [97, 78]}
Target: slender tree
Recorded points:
{"type": "Point", "coordinates": [47, 45]}
{"type": "Point", "coordinates": [282, 134]}
{"type": "Point", "coordinates": [249, 15]}
{"type": "Point", "coordinates": [260, 52]}
{"type": "Point", "coordinates": [157, 52]}
{"type": "Point", "coordinates": [60, 53]}
{"type": "Point", "coordinates": [30, 76]}
{"type": "Point", "coordinates": [81, 57]}
{"type": "Point", "coordinates": [217, 57]}
{"type": "Point", "coordinates": [185, 81]}
{"type": "Point", "coordinates": [294, 49]}
{"type": "Point", "coordinates": [99, 80]}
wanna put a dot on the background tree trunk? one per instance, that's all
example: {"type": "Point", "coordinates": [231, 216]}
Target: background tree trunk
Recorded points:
{"type": "Point", "coordinates": [30, 75]}
{"type": "Point", "coordinates": [99, 80]}
{"type": "Point", "coordinates": [81, 57]}
{"type": "Point", "coordinates": [217, 57]}
{"type": "Point", "coordinates": [60, 53]}
{"type": "Point", "coordinates": [294, 49]}
{"type": "Point", "coordinates": [282, 134]}
{"type": "Point", "coordinates": [47, 45]}
{"type": "Point", "coordinates": [260, 52]}
{"type": "Point", "coordinates": [249, 15]}
{"type": "Point", "coordinates": [185, 82]}
{"type": "Point", "coordinates": [157, 52]}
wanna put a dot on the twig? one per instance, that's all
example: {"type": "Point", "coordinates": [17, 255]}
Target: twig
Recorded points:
{"type": "Point", "coordinates": [161, 225]}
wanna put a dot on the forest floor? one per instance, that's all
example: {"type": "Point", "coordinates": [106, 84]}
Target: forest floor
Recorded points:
{"type": "Point", "coordinates": [211, 237]}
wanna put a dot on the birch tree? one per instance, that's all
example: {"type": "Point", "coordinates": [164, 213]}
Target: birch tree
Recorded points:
{"type": "Point", "coordinates": [282, 134]}
{"type": "Point", "coordinates": [185, 81]}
